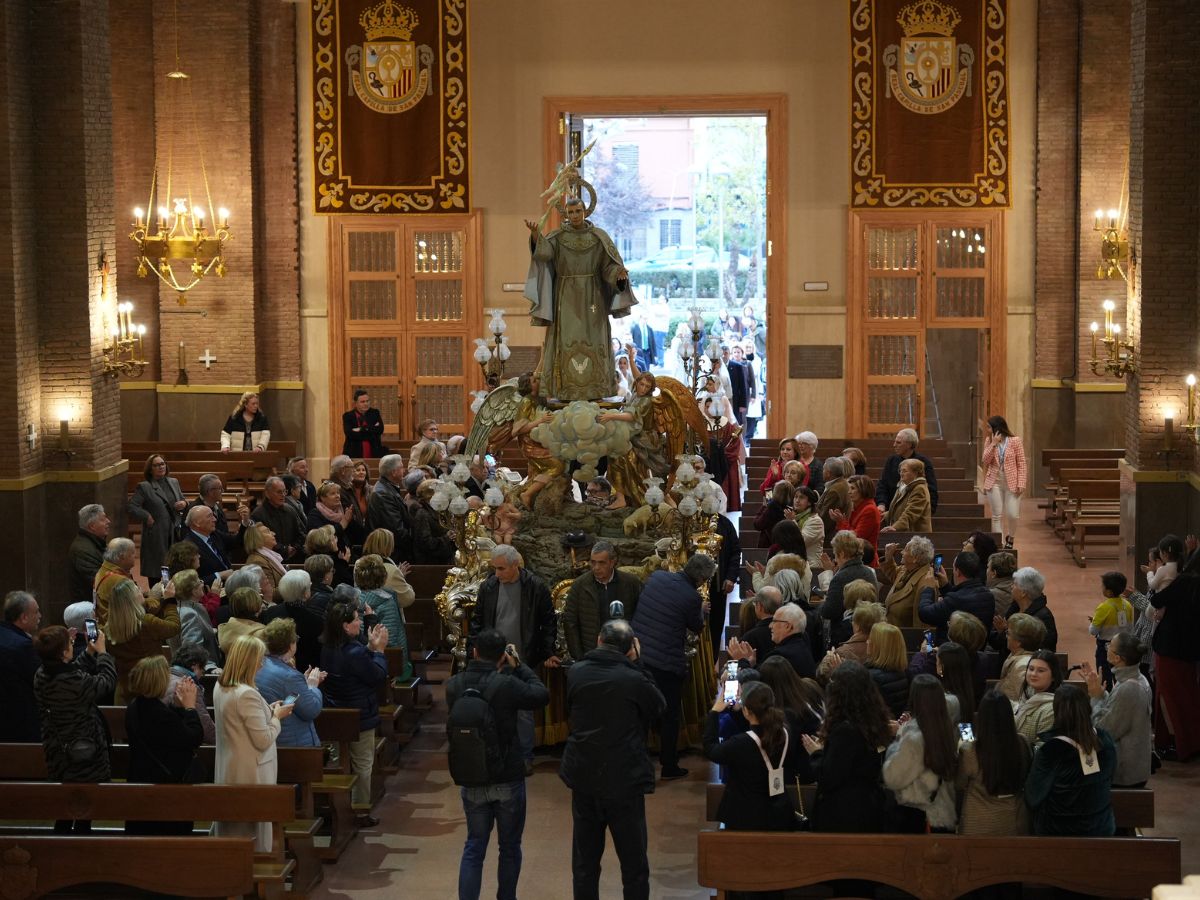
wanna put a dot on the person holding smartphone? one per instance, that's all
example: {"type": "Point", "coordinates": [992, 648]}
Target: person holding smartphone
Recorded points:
{"type": "Point", "coordinates": [279, 680]}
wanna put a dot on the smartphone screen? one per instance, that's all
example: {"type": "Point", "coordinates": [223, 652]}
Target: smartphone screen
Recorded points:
{"type": "Point", "coordinates": [929, 637]}
{"type": "Point", "coordinates": [289, 700]}
{"type": "Point", "coordinates": [166, 575]}
{"type": "Point", "coordinates": [731, 690]}
{"type": "Point", "coordinates": [967, 732]}
{"type": "Point", "coordinates": [937, 561]}
{"type": "Point", "coordinates": [89, 627]}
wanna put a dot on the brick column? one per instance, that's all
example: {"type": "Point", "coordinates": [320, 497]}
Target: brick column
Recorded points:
{"type": "Point", "coordinates": [1164, 234]}
{"type": "Point", "coordinates": [1164, 222]}
{"type": "Point", "coordinates": [55, 222]}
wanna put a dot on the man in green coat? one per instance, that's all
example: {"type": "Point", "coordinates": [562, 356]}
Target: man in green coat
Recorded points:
{"type": "Point", "coordinates": [589, 602]}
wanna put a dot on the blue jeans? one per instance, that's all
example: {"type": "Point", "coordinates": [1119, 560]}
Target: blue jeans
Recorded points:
{"type": "Point", "coordinates": [503, 804]}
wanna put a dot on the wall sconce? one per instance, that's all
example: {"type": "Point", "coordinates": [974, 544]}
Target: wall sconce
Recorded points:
{"type": "Point", "coordinates": [123, 347]}
{"type": "Point", "coordinates": [64, 431]}
{"type": "Point", "coordinates": [1191, 428]}
{"type": "Point", "coordinates": [1114, 249]}
{"type": "Point", "coordinates": [1119, 356]}
{"type": "Point", "coordinates": [492, 359]}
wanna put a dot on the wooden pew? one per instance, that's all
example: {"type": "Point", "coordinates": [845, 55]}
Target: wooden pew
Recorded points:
{"type": "Point", "coordinates": [1060, 469]}
{"type": "Point", "coordinates": [301, 767]}
{"type": "Point", "coordinates": [174, 866]}
{"type": "Point", "coordinates": [1133, 808]}
{"type": "Point", "coordinates": [247, 803]}
{"type": "Point", "coordinates": [340, 726]}
{"type": "Point", "coordinates": [935, 867]}
{"type": "Point", "coordinates": [1051, 454]}
{"type": "Point", "coordinates": [134, 449]}
{"type": "Point", "coordinates": [1092, 508]}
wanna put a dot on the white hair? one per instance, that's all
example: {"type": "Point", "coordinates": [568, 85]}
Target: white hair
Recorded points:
{"type": "Point", "coordinates": [1030, 580]}
{"type": "Point", "coordinates": [793, 615]}
{"type": "Point", "coordinates": [247, 576]}
{"type": "Point", "coordinates": [807, 437]}
{"type": "Point", "coordinates": [921, 548]}
{"type": "Point", "coordinates": [294, 584]}
{"type": "Point", "coordinates": [389, 464]}
{"type": "Point", "coordinates": [507, 554]}
{"type": "Point", "coordinates": [117, 548]}
{"type": "Point", "coordinates": [77, 613]}
{"type": "Point", "coordinates": [195, 513]}
{"type": "Point", "coordinates": [909, 436]}
{"type": "Point", "coordinates": [790, 584]}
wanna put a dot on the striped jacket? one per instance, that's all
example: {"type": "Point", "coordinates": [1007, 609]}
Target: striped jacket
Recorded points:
{"type": "Point", "coordinates": [67, 694]}
{"type": "Point", "coordinates": [1014, 465]}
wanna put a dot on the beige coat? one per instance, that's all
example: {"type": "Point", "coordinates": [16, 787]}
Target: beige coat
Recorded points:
{"type": "Point", "coordinates": [904, 599]}
{"type": "Point", "coordinates": [398, 585]}
{"type": "Point", "coordinates": [228, 632]}
{"type": "Point", "coordinates": [913, 511]}
{"type": "Point", "coordinates": [246, 732]}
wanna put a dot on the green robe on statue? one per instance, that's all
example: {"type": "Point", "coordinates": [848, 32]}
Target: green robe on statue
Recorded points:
{"type": "Point", "coordinates": [574, 289]}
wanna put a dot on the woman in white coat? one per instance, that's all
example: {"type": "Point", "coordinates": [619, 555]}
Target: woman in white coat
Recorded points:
{"type": "Point", "coordinates": [246, 730]}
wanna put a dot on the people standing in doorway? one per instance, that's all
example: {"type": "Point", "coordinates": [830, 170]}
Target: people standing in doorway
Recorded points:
{"type": "Point", "coordinates": [1005, 478]}
{"type": "Point", "coordinates": [644, 342]}
{"type": "Point", "coordinates": [755, 407]}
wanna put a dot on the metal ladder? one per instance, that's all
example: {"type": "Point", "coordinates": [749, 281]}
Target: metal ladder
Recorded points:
{"type": "Point", "coordinates": [931, 429]}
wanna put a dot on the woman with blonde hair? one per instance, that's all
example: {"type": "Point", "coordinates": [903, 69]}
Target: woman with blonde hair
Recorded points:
{"type": "Point", "coordinates": [245, 606]}
{"type": "Point", "coordinates": [246, 730]}
{"type": "Point", "coordinates": [887, 661]}
{"type": "Point", "coordinates": [247, 428]}
{"type": "Point", "coordinates": [427, 434]}
{"type": "Point", "coordinates": [325, 540]}
{"type": "Point", "coordinates": [259, 541]}
{"type": "Point", "coordinates": [382, 542]}
{"type": "Point", "coordinates": [134, 633]}
{"type": "Point", "coordinates": [1025, 637]}
{"type": "Point", "coordinates": [330, 510]}
{"type": "Point", "coordinates": [360, 487]}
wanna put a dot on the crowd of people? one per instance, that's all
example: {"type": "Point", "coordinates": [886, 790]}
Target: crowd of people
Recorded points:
{"type": "Point", "coordinates": [291, 604]}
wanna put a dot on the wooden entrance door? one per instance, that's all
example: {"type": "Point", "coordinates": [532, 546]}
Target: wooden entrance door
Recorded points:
{"type": "Point", "coordinates": [910, 272]}
{"type": "Point", "coordinates": [404, 308]}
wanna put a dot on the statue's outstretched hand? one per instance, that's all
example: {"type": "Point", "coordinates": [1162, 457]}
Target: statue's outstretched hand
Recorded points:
{"type": "Point", "coordinates": [532, 226]}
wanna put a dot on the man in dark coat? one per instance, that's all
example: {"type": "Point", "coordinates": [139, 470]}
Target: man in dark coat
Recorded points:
{"type": "Point", "coordinates": [87, 551]}
{"type": "Point", "coordinates": [741, 381]}
{"type": "Point", "coordinates": [589, 603]}
{"type": "Point", "coordinates": [724, 580]}
{"type": "Point", "coordinates": [905, 446]}
{"type": "Point", "coordinates": [644, 344]}
{"type": "Point", "coordinates": [230, 542]}
{"type": "Point", "coordinates": [283, 519]}
{"type": "Point", "coordinates": [668, 608]}
{"type": "Point", "coordinates": [298, 466]}
{"type": "Point", "coordinates": [788, 640]}
{"type": "Point", "coordinates": [758, 637]}
{"type": "Point", "coordinates": [502, 801]}
{"type": "Point", "coordinates": [517, 603]}
{"type": "Point", "coordinates": [19, 662]}
{"type": "Point", "coordinates": [201, 523]}
{"type": "Point", "coordinates": [363, 428]}
{"type": "Point", "coordinates": [611, 702]}
{"type": "Point", "coordinates": [1029, 597]}
{"type": "Point", "coordinates": [968, 594]}
{"type": "Point", "coordinates": [386, 507]}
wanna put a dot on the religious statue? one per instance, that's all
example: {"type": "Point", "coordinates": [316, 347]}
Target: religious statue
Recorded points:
{"type": "Point", "coordinates": [576, 281]}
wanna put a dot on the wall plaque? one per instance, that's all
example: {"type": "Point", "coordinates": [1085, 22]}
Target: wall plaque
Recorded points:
{"type": "Point", "coordinates": [813, 361]}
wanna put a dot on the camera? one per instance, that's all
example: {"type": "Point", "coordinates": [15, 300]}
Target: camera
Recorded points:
{"type": "Point", "coordinates": [511, 650]}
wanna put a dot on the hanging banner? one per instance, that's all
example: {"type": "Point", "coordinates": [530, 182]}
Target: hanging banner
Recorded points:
{"type": "Point", "coordinates": [929, 118]}
{"type": "Point", "coordinates": [390, 118]}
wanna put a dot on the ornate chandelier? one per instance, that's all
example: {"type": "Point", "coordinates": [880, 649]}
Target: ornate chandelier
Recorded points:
{"type": "Point", "coordinates": [181, 229]}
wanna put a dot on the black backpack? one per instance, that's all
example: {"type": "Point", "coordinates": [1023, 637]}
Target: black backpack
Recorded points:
{"type": "Point", "coordinates": [476, 758]}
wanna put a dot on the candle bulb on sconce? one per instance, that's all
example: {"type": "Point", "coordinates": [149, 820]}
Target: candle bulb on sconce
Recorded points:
{"type": "Point", "coordinates": [1095, 328]}
{"type": "Point", "coordinates": [64, 435]}
{"type": "Point", "coordinates": [1109, 306]}
{"type": "Point", "coordinates": [1191, 402]}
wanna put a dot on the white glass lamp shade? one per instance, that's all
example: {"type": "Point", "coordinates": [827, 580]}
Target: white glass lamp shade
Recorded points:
{"type": "Point", "coordinates": [687, 506]}
{"type": "Point", "coordinates": [458, 506]}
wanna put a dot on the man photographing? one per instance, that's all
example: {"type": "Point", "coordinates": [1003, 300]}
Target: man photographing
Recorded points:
{"type": "Point", "coordinates": [486, 759]}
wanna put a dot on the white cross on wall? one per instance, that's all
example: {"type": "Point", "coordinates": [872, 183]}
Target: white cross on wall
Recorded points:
{"type": "Point", "coordinates": [208, 359]}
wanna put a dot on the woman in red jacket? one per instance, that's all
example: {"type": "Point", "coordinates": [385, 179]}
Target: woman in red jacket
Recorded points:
{"type": "Point", "coordinates": [788, 450]}
{"type": "Point", "coordinates": [1005, 478]}
{"type": "Point", "coordinates": [865, 517]}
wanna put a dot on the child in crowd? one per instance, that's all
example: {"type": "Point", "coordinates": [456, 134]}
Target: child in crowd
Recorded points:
{"type": "Point", "coordinates": [1113, 616]}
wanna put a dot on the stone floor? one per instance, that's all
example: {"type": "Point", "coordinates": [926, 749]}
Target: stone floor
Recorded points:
{"type": "Point", "coordinates": [415, 851]}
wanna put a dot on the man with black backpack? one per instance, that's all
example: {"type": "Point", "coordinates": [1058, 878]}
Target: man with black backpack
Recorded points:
{"type": "Point", "coordinates": [486, 759]}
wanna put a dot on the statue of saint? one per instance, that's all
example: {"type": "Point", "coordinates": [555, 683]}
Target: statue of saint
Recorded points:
{"type": "Point", "coordinates": [576, 281]}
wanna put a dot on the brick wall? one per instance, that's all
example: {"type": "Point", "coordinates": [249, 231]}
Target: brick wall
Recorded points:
{"type": "Point", "coordinates": [1103, 155]}
{"type": "Point", "coordinates": [1164, 188]}
{"type": "Point", "coordinates": [1055, 271]}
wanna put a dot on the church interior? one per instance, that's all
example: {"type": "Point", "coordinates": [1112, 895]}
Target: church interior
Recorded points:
{"type": "Point", "coordinates": [279, 222]}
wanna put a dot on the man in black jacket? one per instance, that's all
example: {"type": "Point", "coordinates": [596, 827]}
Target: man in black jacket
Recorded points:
{"type": "Point", "coordinates": [788, 640]}
{"type": "Point", "coordinates": [725, 580]}
{"type": "Point", "coordinates": [502, 801]}
{"type": "Point", "coordinates": [611, 702]}
{"type": "Point", "coordinates": [386, 507]}
{"type": "Point", "coordinates": [905, 447]}
{"type": "Point", "coordinates": [968, 594]}
{"type": "Point", "coordinates": [87, 551]}
{"type": "Point", "coordinates": [283, 519]}
{"type": "Point", "coordinates": [517, 603]}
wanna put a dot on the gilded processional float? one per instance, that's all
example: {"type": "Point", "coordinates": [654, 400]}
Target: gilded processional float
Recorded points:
{"type": "Point", "coordinates": [565, 418]}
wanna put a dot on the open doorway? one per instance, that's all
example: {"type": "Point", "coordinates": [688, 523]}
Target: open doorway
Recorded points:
{"type": "Point", "coordinates": [684, 198]}
{"type": "Point", "coordinates": [690, 190]}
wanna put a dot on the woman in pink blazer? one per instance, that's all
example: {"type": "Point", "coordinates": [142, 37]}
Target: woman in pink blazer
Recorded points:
{"type": "Point", "coordinates": [1004, 476]}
